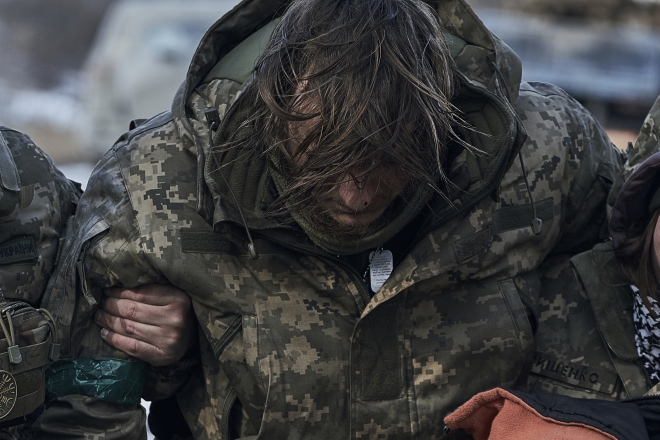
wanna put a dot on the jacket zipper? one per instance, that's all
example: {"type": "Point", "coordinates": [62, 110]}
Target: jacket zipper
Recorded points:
{"type": "Point", "coordinates": [80, 268]}
{"type": "Point", "coordinates": [80, 272]}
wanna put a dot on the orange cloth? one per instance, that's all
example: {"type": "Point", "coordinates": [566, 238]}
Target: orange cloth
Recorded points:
{"type": "Point", "coordinates": [499, 415]}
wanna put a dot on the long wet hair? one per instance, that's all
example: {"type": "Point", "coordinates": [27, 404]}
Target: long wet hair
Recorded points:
{"type": "Point", "coordinates": [369, 80]}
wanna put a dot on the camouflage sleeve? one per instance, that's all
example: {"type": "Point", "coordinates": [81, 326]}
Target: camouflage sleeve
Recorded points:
{"type": "Point", "coordinates": [570, 327]}
{"type": "Point", "coordinates": [592, 164]}
{"type": "Point", "coordinates": [647, 143]}
{"type": "Point", "coordinates": [101, 243]}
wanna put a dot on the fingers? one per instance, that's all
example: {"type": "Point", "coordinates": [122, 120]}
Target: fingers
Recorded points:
{"type": "Point", "coordinates": [136, 348]}
{"type": "Point", "coordinates": [154, 323]}
{"type": "Point", "coordinates": [156, 345]}
{"type": "Point", "coordinates": [154, 304]}
{"type": "Point", "coordinates": [152, 294]}
{"type": "Point", "coordinates": [128, 327]}
{"type": "Point", "coordinates": [141, 313]}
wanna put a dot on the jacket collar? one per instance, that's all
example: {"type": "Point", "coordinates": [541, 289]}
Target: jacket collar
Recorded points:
{"type": "Point", "coordinates": [486, 67]}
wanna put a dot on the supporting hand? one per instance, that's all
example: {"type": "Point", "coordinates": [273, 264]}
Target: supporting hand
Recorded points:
{"type": "Point", "coordinates": [154, 323]}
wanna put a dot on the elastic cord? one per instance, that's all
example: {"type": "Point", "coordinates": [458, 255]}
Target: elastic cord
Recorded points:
{"type": "Point", "coordinates": [11, 327]}
{"type": "Point", "coordinates": [536, 221]}
{"type": "Point", "coordinates": [8, 336]}
{"type": "Point", "coordinates": [51, 322]}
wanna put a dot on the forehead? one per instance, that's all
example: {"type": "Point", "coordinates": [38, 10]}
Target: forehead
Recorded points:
{"type": "Point", "coordinates": [307, 105]}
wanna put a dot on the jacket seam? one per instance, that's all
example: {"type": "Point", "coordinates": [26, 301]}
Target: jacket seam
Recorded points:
{"type": "Point", "coordinates": [136, 223]}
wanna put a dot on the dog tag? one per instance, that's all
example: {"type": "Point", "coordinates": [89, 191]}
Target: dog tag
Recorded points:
{"type": "Point", "coordinates": [380, 269]}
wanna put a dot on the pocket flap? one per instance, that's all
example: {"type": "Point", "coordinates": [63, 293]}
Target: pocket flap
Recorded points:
{"type": "Point", "coordinates": [610, 297]}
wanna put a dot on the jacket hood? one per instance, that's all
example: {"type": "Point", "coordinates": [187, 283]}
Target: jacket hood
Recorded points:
{"type": "Point", "coordinates": [465, 33]}
{"type": "Point", "coordinates": [639, 196]}
{"type": "Point", "coordinates": [636, 200]}
{"type": "Point", "coordinates": [489, 73]}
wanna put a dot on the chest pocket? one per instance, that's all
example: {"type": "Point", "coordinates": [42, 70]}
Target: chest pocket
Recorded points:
{"type": "Point", "coordinates": [571, 356]}
{"type": "Point", "coordinates": [611, 301]}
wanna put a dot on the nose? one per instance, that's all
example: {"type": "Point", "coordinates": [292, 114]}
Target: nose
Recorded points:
{"type": "Point", "coordinates": [377, 185]}
{"type": "Point", "coordinates": [357, 196]}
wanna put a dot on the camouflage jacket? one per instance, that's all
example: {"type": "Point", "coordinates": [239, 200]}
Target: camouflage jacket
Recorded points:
{"type": "Point", "coordinates": [292, 345]}
{"type": "Point", "coordinates": [36, 200]}
{"type": "Point", "coordinates": [596, 304]}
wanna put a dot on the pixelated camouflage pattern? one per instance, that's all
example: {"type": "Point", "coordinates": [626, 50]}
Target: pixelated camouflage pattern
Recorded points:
{"type": "Point", "coordinates": [646, 144]}
{"type": "Point", "coordinates": [35, 209]}
{"type": "Point", "coordinates": [46, 201]}
{"type": "Point", "coordinates": [573, 361]}
{"type": "Point", "coordinates": [279, 329]}
{"type": "Point", "coordinates": [608, 291]}
{"type": "Point", "coordinates": [291, 344]}
{"type": "Point", "coordinates": [33, 336]}
{"type": "Point", "coordinates": [485, 54]}
{"type": "Point", "coordinates": [593, 306]}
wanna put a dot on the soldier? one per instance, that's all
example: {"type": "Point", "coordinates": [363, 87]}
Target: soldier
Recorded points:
{"type": "Point", "coordinates": [618, 283]}
{"type": "Point", "coordinates": [36, 201]}
{"type": "Point", "coordinates": [362, 199]}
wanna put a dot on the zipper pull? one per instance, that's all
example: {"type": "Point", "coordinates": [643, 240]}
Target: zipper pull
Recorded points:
{"type": "Point", "coordinates": [80, 269]}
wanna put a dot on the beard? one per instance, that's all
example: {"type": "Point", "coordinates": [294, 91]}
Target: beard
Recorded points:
{"type": "Point", "coordinates": [330, 228]}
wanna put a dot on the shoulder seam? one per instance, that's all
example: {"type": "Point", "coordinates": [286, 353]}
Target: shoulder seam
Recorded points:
{"type": "Point", "coordinates": [157, 121]}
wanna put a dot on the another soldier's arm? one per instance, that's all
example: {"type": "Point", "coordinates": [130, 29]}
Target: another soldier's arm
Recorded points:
{"type": "Point", "coordinates": [97, 387]}
{"type": "Point", "coordinates": [591, 166]}
{"type": "Point", "coordinates": [568, 333]}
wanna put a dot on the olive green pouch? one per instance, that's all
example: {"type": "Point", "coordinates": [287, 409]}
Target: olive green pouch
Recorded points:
{"type": "Point", "coordinates": [28, 342]}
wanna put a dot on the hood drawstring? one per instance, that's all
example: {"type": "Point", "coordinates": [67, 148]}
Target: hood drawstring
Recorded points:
{"type": "Point", "coordinates": [502, 81]}
{"type": "Point", "coordinates": [537, 223]}
{"type": "Point", "coordinates": [213, 120]}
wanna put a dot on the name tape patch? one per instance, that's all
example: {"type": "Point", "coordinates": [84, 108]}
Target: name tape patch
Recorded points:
{"type": "Point", "coordinates": [588, 377]}
{"type": "Point", "coordinates": [18, 250]}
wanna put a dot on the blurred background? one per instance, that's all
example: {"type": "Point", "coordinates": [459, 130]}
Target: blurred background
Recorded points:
{"type": "Point", "coordinates": [74, 73]}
